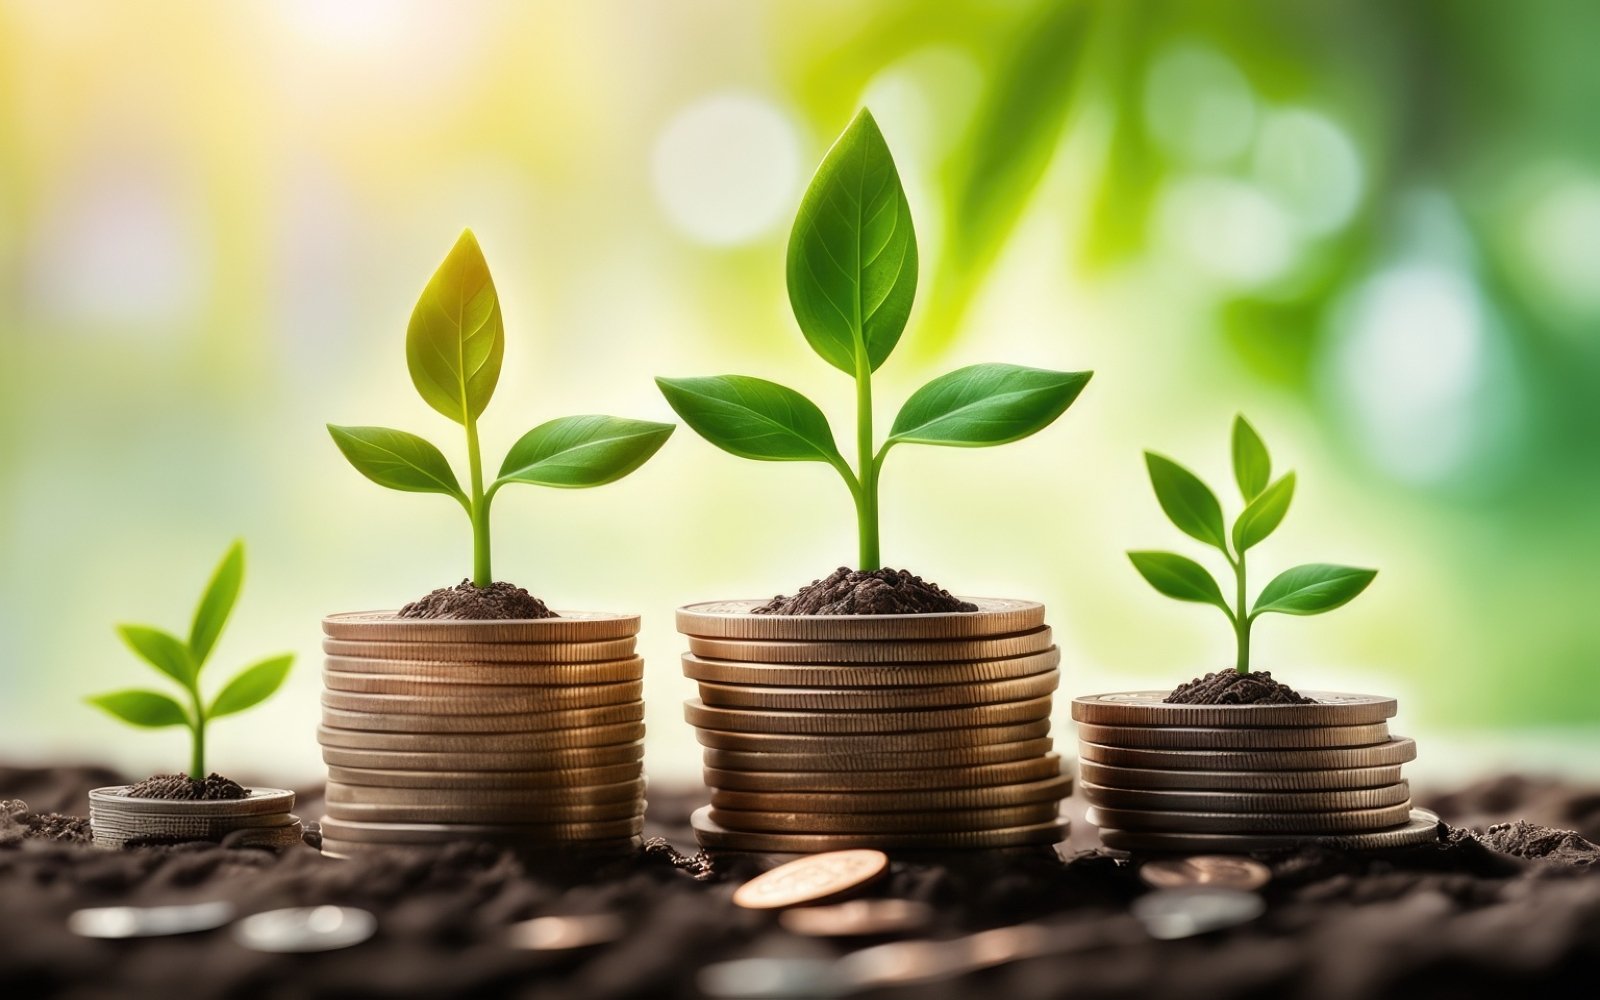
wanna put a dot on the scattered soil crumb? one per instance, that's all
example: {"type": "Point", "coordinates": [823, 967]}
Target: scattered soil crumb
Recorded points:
{"type": "Point", "coordinates": [1229, 687]}
{"type": "Point", "coordinates": [499, 601]}
{"type": "Point", "coordinates": [698, 865]}
{"type": "Point", "coordinates": [1541, 843]}
{"type": "Point", "coordinates": [18, 822]}
{"type": "Point", "coordinates": [853, 592]}
{"type": "Point", "coordinates": [180, 786]}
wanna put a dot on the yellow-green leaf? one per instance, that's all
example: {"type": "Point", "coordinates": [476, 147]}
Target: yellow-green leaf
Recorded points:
{"type": "Point", "coordinates": [456, 339]}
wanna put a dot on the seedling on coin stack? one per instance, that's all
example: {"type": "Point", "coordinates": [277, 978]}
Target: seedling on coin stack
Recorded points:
{"type": "Point", "coordinates": [477, 712]}
{"type": "Point", "coordinates": [197, 805]}
{"type": "Point", "coordinates": [1235, 760]}
{"type": "Point", "coordinates": [871, 708]}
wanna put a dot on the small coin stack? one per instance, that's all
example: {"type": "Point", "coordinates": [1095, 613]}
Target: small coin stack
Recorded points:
{"type": "Point", "coordinates": [261, 819]}
{"type": "Point", "coordinates": [1162, 777]}
{"type": "Point", "coordinates": [926, 731]}
{"type": "Point", "coordinates": [527, 734]}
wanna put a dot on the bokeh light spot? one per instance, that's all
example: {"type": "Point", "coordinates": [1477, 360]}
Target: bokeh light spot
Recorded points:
{"type": "Point", "coordinates": [1197, 105]}
{"type": "Point", "coordinates": [1310, 165]}
{"type": "Point", "coordinates": [726, 168]}
{"type": "Point", "coordinates": [1225, 230]}
{"type": "Point", "coordinates": [1559, 237]}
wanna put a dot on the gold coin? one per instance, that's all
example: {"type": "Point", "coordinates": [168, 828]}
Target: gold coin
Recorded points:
{"type": "Point", "coordinates": [1239, 781]}
{"type": "Point", "coordinates": [1215, 871]}
{"type": "Point", "coordinates": [871, 743]}
{"type": "Point", "coordinates": [1241, 802]}
{"type": "Point", "coordinates": [568, 626]}
{"type": "Point", "coordinates": [594, 812]}
{"type": "Point", "coordinates": [1164, 821]}
{"type": "Point", "coordinates": [1421, 827]}
{"type": "Point", "coordinates": [622, 791]}
{"type": "Point", "coordinates": [808, 880]}
{"type": "Point", "coordinates": [863, 675]}
{"type": "Point", "coordinates": [1396, 750]}
{"type": "Point", "coordinates": [546, 741]}
{"type": "Point", "coordinates": [1051, 790]}
{"type": "Point", "coordinates": [348, 673]}
{"type": "Point", "coordinates": [526, 653]}
{"type": "Point", "coordinates": [714, 836]}
{"type": "Point", "coordinates": [1146, 708]}
{"type": "Point", "coordinates": [759, 721]}
{"type": "Point", "coordinates": [775, 651]}
{"type": "Point", "coordinates": [871, 779]}
{"type": "Point", "coordinates": [942, 821]}
{"type": "Point", "coordinates": [878, 699]}
{"type": "Point", "coordinates": [505, 701]}
{"type": "Point", "coordinates": [733, 620]}
{"type": "Point", "coordinates": [553, 779]}
{"type": "Point", "coordinates": [574, 850]}
{"type": "Point", "coordinates": [494, 761]}
{"type": "Point", "coordinates": [114, 799]}
{"type": "Point", "coordinates": [524, 722]}
{"type": "Point", "coordinates": [1256, 738]}
{"type": "Point", "coordinates": [374, 832]}
{"type": "Point", "coordinates": [947, 759]}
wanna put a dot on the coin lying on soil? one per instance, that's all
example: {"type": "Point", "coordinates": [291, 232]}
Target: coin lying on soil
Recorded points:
{"type": "Point", "coordinates": [859, 918]}
{"type": "Point", "coordinates": [1221, 871]}
{"type": "Point", "coordinates": [811, 879]}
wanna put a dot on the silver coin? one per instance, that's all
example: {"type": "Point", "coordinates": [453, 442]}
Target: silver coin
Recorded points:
{"type": "Point", "coordinates": [149, 921]}
{"type": "Point", "coordinates": [1170, 914]}
{"type": "Point", "coordinates": [305, 928]}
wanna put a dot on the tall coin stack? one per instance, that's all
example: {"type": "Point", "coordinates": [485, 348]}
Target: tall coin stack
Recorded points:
{"type": "Point", "coordinates": [927, 731]}
{"type": "Point", "coordinates": [527, 734]}
{"type": "Point", "coordinates": [1199, 778]}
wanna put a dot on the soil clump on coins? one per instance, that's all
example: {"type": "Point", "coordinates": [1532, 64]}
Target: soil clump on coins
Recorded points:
{"type": "Point", "coordinates": [854, 592]}
{"type": "Point", "coordinates": [500, 601]}
{"type": "Point", "coordinates": [182, 788]}
{"type": "Point", "coordinates": [1229, 687]}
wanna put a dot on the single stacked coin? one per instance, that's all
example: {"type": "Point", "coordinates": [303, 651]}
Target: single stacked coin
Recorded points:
{"type": "Point", "coordinates": [1163, 777]}
{"type": "Point", "coordinates": [263, 818]}
{"type": "Point", "coordinates": [527, 734]}
{"type": "Point", "coordinates": [927, 731]}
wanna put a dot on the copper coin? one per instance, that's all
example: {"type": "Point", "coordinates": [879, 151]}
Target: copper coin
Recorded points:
{"type": "Point", "coordinates": [525, 653]}
{"type": "Point", "coordinates": [872, 743]}
{"type": "Point", "coordinates": [714, 836]}
{"type": "Point", "coordinates": [874, 780]}
{"type": "Point", "coordinates": [866, 675]}
{"type": "Point", "coordinates": [1221, 871]}
{"type": "Point", "coordinates": [1051, 790]}
{"type": "Point", "coordinates": [373, 832]}
{"type": "Point", "coordinates": [547, 741]}
{"type": "Point", "coordinates": [588, 794]}
{"type": "Point", "coordinates": [495, 701]}
{"type": "Point", "coordinates": [1422, 827]}
{"type": "Point", "coordinates": [828, 723]}
{"type": "Point", "coordinates": [1395, 750]}
{"type": "Point", "coordinates": [942, 821]}
{"type": "Point", "coordinates": [1239, 781]}
{"type": "Point", "coordinates": [1165, 821]}
{"type": "Point", "coordinates": [878, 699]}
{"type": "Point", "coordinates": [901, 651]}
{"type": "Point", "coordinates": [570, 720]}
{"type": "Point", "coordinates": [1242, 802]}
{"type": "Point", "coordinates": [810, 879]}
{"type": "Point", "coordinates": [350, 673]}
{"type": "Point", "coordinates": [450, 781]}
{"type": "Point", "coordinates": [567, 626]}
{"type": "Point", "coordinates": [1238, 738]}
{"type": "Point", "coordinates": [946, 760]}
{"type": "Point", "coordinates": [733, 620]}
{"type": "Point", "coordinates": [1146, 708]}
{"type": "Point", "coordinates": [512, 814]}
{"type": "Point", "coordinates": [494, 762]}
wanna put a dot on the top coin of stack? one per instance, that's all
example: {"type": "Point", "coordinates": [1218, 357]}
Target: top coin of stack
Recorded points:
{"type": "Point", "coordinates": [1160, 776]}
{"type": "Point", "coordinates": [885, 731]}
{"type": "Point", "coordinates": [525, 733]}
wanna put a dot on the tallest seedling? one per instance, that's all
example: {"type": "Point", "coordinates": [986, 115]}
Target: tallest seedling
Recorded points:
{"type": "Point", "coordinates": [852, 275]}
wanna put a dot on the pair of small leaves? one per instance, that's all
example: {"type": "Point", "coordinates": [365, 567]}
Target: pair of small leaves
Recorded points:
{"type": "Point", "coordinates": [1193, 508]}
{"type": "Point", "coordinates": [153, 710]}
{"type": "Point", "coordinates": [1304, 590]}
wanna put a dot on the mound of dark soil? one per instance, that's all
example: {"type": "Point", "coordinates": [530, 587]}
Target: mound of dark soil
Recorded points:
{"type": "Point", "coordinates": [214, 788]}
{"type": "Point", "coordinates": [1229, 687]}
{"type": "Point", "coordinates": [853, 592]}
{"type": "Point", "coordinates": [499, 601]}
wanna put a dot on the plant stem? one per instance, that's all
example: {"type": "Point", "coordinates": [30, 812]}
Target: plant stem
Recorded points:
{"type": "Point", "coordinates": [197, 757]}
{"type": "Point", "coordinates": [482, 575]}
{"type": "Point", "coordinates": [1241, 619]}
{"type": "Point", "coordinates": [867, 469]}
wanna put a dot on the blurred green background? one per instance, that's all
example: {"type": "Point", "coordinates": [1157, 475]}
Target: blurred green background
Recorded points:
{"type": "Point", "coordinates": [1372, 227]}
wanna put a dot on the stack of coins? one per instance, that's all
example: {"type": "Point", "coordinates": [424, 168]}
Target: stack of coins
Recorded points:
{"type": "Point", "coordinates": [926, 731]}
{"type": "Point", "coordinates": [261, 819]}
{"type": "Point", "coordinates": [527, 734]}
{"type": "Point", "coordinates": [1245, 777]}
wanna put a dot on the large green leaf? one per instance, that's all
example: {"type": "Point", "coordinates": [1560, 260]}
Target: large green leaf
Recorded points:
{"type": "Point", "coordinates": [142, 708]}
{"type": "Point", "coordinates": [753, 418]}
{"type": "Point", "coordinates": [456, 338]}
{"type": "Point", "coordinates": [1312, 589]}
{"type": "Point", "coordinates": [1252, 466]}
{"type": "Point", "coordinates": [1262, 517]}
{"type": "Point", "coordinates": [216, 604]}
{"type": "Point", "coordinates": [986, 404]}
{"type": "Point", "coordinates": [582, 451]}
{"type": "Point", "coordinates": [1188, 502]}
{"type": "Point", "coordinates": [396, 459]}
{"type": "Point", "coordinates": [162, 650]}
{"type": "Point", "coordinates": [1179, 577]}
{"type": "Point", "coordinates": [852, 253]}
{"type": "Point", "coordinates": [251, 686]}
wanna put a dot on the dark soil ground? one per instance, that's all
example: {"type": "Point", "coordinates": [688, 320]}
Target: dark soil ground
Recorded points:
{"type": "Point", "coordinates": [1514, 912]}
{"type": "Point", "coordinates": [499, 601]}
{"type": "Point", "coordinates": [852, 592]}
{"type": "Point", "coordinates": [1229, 687]}
{"type": "Point", "coordinates": [213, 788]}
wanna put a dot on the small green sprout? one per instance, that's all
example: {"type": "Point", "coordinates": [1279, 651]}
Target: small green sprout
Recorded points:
{"type": "Point", "coordinates": [454, 345]}
{"type": "Point", "coordinates": [1304, 590]}
{"type": "Point", "coordinates": [852, 275]}
{"type": "Point", "coordinates": [182, 662]}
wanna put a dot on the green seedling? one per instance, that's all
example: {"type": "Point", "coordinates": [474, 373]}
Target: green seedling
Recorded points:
{"type": "Point", "coordinates": [182, 661]}
{"type": "Point", "coordinates": [454, 346]}
{"type": "Point", "coordinates": [852, 275]}
{"type": "Point", "coordinates": [1304, 590]}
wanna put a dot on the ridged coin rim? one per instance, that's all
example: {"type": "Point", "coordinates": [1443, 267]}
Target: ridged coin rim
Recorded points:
{"type": "Point", "coordinates": [1146, 708]}
{"type": "Point", "coordinates": [566, 627]}
{"type": "Point", "coordinates": [733, 620]}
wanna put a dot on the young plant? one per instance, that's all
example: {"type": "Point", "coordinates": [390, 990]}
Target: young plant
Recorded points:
{"type": "Point", "coordinates": [182, 661]}
{"type": "Point", "coordinates": [454, 346]}
{"type": "Point", "coordinates": [1304, 590]}
{"type": "Point", "coordinates": [852, 274]}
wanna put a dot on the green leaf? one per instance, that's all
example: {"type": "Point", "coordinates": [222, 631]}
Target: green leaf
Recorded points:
{"type": "Point", "coordinates": [1264, 514]}
{"type": "Point", "coordinates": [1188, 502]}
{"type": "Point", "coordinates": [985, 405]}
{"type": "Point", "coordinates": [216, 604]}
{"type": "Point", "coordinates": [162, 650]}
{"type": "Point", "coordinates": [852, 253]}
{"type": "Point", "coordinates": [1312, 589]}
{"type": "Point", "coordinates": [251, 686]}
{"type": "Point", "coordinates": [1179, 577]}
{"type": "Point", "coordinates": [582, 451]}
{"type": "Point", "coordinates": [142, 708]}
{"type": "Point", "coordinates": [1252, 467]}
{"type": "Point", "coordinates": [396, 459]}
{"type": "Point", "coordinates": [753, 418]}
{"type": "Point", "coordinates": [456, 338]}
